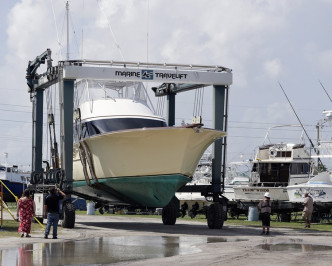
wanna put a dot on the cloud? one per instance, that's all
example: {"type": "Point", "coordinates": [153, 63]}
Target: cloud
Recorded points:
{"type": "Point", "coordinates": [260, 40]}
{"type": "Point", "coordinates": [325, 58]}
{"type": "Point", "coordinates": [273, 68]}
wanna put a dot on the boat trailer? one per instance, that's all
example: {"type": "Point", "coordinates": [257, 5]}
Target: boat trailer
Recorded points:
{"type": "Point", "coordinates": [175, 78]}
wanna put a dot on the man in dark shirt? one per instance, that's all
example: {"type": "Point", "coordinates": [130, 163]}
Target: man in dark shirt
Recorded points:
{"type": "Point", "coordinates": [51, 211]}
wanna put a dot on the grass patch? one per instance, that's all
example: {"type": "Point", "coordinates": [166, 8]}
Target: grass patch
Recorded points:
{"type": "Point", "coordinates": [10, 227]}
{"type": "Point", "coordinates": [295, 223]}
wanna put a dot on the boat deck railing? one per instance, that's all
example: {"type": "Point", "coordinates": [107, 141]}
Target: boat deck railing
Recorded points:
{"type": "Point", "coordinates": [271, 184]}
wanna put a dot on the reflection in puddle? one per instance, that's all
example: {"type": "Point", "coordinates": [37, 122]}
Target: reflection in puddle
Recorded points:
{"type": "Point", "coordinates": [103, 250]}
{"type": "Point", "coordinates": [294, 247]}
{"type": "Point", "coordinates": [220, 239]}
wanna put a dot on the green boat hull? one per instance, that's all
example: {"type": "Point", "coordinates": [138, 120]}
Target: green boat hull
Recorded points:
{"type": "Point", "coordinates": [146, 191]}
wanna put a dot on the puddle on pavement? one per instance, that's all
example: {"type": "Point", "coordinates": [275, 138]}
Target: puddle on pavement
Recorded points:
{"type": "Point", "coordinates": [103, 250]}
{"type": "Point", "coordinates": [219, 239]}
{"type": "Point", "coordinates": [294, 247]}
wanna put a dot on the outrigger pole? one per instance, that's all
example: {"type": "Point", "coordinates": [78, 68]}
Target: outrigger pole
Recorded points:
{"type": "Point", "coordinates": [325, 90]}
{"type": "Point", "coordinates": [312, 144]}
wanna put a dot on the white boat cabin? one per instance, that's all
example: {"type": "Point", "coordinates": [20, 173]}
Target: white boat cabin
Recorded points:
{"type": "Point", "coordinates": [281, 165]}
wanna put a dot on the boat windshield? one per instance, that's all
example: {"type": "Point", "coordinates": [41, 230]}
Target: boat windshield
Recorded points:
{"type": "Point", "coordinates": [2, 168]}
{"type": "Point", "coordinates": [90, 90]}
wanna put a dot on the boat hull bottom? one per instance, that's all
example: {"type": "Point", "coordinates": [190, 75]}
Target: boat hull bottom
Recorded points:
{"type": "Point", "coordinates": [146, 191]}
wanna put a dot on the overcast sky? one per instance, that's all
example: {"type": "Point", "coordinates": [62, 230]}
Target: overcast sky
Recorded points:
{"type": "Point", "coordinates": [263, 42]}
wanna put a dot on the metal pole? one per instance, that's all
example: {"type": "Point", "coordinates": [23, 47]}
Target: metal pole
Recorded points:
{"type": "Point", "coordinates": [219, 93]}
{"type": "Point", "coordinates": [171, 109]}
{"type": "Point", "coordinates": [1, 195]}
{"type": "Point", "coordinates": [66, 128]}
{"type": "Point", "coordinates": [37, 132]}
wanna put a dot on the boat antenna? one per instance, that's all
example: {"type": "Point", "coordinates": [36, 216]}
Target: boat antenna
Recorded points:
{"type": "Point", "coordinates": [111, 30]}
{"type": "Point", "coordinates": [312, 144]}
{"type": "Point", "coordinates": [325, 90]}
{"type": "Point", "coordinates": [67, 14]}
{"type": "Point", "coordinates": [147, 32]}
{"type": "Point", "coordinates": [6, 157]}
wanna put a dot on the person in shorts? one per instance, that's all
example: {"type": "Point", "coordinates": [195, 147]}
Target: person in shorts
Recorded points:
{"type": "Point", "coordinates": [308, 204]}
{"type": "Point", "coordinates": [264, 208]}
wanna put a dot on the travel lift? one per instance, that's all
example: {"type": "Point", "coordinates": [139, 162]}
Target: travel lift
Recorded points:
{"type": "Point", "coordinates": [175, 78]}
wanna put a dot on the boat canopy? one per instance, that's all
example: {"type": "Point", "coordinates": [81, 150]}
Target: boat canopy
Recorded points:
{"type": "Point", "coordinates": [91, 90]}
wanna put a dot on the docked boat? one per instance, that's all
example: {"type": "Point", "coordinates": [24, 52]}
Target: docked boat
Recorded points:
{"type": "Point", "coordinates": [124, 153]}
{"type": "Point", "coordinates": [15, 180]}
{"type": "Point", "coordinates": [318, 187]}
{"type": "Point", "coordinates": [194, 202]}
{"type": "Point", "coordinates": [275, 167]}
{"type": "Point", "coordinates": [238, 174]}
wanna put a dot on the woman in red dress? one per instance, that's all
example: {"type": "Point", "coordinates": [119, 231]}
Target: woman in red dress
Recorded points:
{"type": "Point", "coordinates": [25, 209]}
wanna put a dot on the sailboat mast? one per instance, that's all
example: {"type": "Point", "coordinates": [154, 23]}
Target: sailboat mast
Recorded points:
{"type": "Point", "coordinates": [67, 13]}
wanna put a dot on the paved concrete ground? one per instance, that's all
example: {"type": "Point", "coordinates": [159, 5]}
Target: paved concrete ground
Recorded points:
{"type": "Point", "coordinates": [242, 245]}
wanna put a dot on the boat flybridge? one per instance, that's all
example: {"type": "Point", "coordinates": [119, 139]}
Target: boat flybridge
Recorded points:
{"type": "Point", "coordinates": [114, 148]}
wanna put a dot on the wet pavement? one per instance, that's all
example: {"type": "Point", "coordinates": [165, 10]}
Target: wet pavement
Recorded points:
{"type": "Point", "coordinates": [123, 240]}
{"type": "Point", "coordinates": [103, 250]}
{"type": "Point", "coordinates": [295, 247]}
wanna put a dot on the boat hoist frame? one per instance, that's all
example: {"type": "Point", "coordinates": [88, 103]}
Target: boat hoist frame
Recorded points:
{"type": "Point", "coordinates": [175, 78]}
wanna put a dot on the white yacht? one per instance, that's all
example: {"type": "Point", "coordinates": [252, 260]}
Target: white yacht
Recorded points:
{"type": "Point", "coordinates": [319, 188]}
{"type": "Point", "coordinates": [124, 153]}
{"type": "Point", "coordinates": [275, 167]}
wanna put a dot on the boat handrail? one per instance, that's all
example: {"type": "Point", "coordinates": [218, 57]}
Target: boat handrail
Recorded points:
{"type": "Point", "coordinates": [278, 126]}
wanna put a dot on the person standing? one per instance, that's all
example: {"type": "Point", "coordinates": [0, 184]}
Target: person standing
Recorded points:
{"type": "Point", "coordinates": [264, 208]}
{"type": "Point", "coordinates": [308, 204]}
{"type": "Point", "coordinates": [25, 210]}
{"type": "Point", "coordinates": [51, 211]}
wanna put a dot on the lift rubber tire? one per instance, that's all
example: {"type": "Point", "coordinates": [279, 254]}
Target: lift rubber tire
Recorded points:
{"type": "Point", "coordinates": [215, 217]}
{"type": "Point", "coordinates": [169, 213]}
{"type": "Point", "coordinates": [68, 215]}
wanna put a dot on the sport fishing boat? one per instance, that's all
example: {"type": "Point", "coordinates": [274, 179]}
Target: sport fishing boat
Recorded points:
{"type": "Point", "coordinates": [15, 180]}
{"type": "Point", "coordinates": [275, 167]}
{"type": "Point", "coordinates": [318, 187]}
{"type": "Point", "coordinates": [124, 153]}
